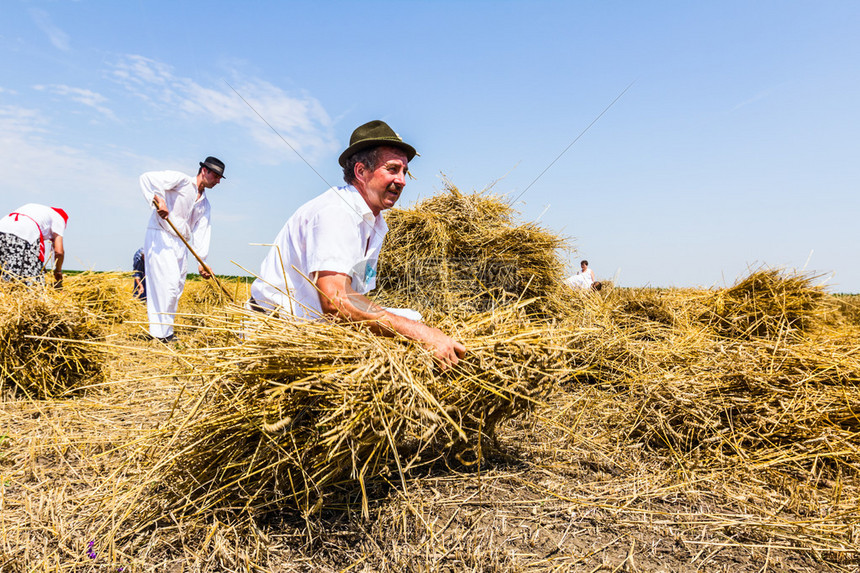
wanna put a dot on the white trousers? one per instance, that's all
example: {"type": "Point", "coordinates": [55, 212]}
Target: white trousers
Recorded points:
{"type": "Point", "coordinates": [166, 266]}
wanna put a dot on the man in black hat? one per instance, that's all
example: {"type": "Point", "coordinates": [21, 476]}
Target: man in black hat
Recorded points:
{"type": "Point", "coordinates": [323, 262]}
{"type": "Point", "coordinates": [183, 199]}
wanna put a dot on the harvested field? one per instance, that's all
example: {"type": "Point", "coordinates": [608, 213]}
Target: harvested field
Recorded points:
{"type": "Point", "coordinates": [638, 430]}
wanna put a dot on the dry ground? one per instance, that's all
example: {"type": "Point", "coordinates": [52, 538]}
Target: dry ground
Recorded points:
{"type": "Point", "coordinates": [563, 490]}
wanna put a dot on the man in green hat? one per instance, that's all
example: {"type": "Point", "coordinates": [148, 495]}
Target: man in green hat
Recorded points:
{"type": "Point", "coordinates": [323, 262]}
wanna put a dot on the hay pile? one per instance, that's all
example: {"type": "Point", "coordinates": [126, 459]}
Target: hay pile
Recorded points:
{"type": "Point", "coordinates": [752, 376]}
{"type": "Point", "coordinates": [750, 392]}
{"type": "Point", "coordinates": [848, 308]}
{"type": "Point", "coordinates": [42, 343]}
{"type": "Point", "coordinates": [202, 295]}
{"type": "Point", "coordinates": [204, 318]}
{"type": "Point", "coordinates": [460, 254]}
{"type": "Point", "coordinates": [800, 401]}
{"type": "Point", "coordinates": [768, 303]}
{"type": "Point", "coordinates": [305, 415]}
{"type": "Point", "coordinates": [106, 295]}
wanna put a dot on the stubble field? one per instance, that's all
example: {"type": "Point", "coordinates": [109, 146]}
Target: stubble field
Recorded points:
{"type": "Point", "coordinates": [621, 430]}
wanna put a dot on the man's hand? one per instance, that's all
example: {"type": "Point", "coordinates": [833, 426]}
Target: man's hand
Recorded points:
{"type": "Point", "coordinates": [446, 351]}
{"type": "Point", "coordinates": [204, 271]}
{"type": "Point", "coordinates": [160, 207]}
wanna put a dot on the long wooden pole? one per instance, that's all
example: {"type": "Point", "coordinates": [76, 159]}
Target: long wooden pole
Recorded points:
{"type": "Point", "coordinates": [196, 256]}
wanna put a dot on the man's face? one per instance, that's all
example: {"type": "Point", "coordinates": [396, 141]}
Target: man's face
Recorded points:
{"type": "Point", "coordinates": [381, 187]}
{"type": "Point", "coordinates": [210, 179]}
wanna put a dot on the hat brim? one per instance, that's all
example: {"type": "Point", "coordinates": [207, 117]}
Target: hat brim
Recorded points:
{"type": "Point", "coordinates": [213, 169]}
{"type": "Point", "coordinates": [367, 143]}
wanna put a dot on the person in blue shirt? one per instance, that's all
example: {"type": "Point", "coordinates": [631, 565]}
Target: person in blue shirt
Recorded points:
{"type": "Point", "coordinates": [139, 275]}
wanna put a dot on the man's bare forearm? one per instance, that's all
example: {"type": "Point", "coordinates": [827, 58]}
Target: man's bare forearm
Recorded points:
{"type": "Point", "coordinates": [338, 299]}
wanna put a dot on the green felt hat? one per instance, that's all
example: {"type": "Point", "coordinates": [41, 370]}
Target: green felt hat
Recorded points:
{"type": "Point", "coordinates": [373, 134]}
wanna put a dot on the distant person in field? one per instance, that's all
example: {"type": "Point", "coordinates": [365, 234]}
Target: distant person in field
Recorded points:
{"type": "Point", "coordinates": [182, 198]}
{"type": "Point", "coordinates": [25, 236]}
{"type": "Point", "coordinates": [138, 275]}
{"type": "Point", "coordinates": [584, 279]}
{"type": "Point", "coordinates": [334, 240]}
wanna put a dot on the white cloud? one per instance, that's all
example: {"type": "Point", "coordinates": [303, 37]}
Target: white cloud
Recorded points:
{"type": "Point", "coordinates": [58, 38]}
{"type": "Point", "coordinates": [97, 186]}
{"type": "Point", "coordinates": [36, 168]}
{"type": "Point", "coordinates": [85, 97]}
{"type": "Point", "coordinates": [16, 120]}
{"type": "Point", "coordinates": [301, 120]}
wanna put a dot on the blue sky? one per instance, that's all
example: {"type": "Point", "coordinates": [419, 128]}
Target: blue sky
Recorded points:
{"type": "Point", "coordinates": [735, 147]}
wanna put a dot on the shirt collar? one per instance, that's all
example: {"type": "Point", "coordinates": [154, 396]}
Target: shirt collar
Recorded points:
{"type": "Point", "coordinates": [359, 205]}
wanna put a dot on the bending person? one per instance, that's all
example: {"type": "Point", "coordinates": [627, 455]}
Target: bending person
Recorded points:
{"type": "Point", "coordinates": [138, 275]}
{"type": "Point", "coordinates": [183, 199]}
{"type": "Point", "coordinates": [25, 235]}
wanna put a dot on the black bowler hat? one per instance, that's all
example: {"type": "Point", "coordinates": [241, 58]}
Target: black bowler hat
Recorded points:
{"type": "Point", "coordinates": [214, 165]}
{"type": "Point", "coordinates": [374, 134]}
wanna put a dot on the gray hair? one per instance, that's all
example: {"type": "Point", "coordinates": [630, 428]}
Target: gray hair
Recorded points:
{"type": "Point", "coordinates": [368, 157]}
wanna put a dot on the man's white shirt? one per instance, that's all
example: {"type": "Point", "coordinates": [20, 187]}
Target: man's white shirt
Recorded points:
{"type": "Point", "coordinates": [336, 232]}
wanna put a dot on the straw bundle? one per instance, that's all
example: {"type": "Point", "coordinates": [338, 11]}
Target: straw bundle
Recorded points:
{"type": "Point", "coordinates": [203, 318]}
{"type": "Point", "coordinates": [849, 308]}
{"type": "Point", "coordinates": [810, 396]}
{"type": "Point", "coordinates": [648, 305]}
{"type": "Point", "coordinates": [304, 412]}
{"type": "Point", "coordinates": [107, 295]}
{"type": "Point", "coordinates": [759, 379]}
{"type": "Point", "coordinates": [41, 353]}
{"type": "Point", "coordinates": [202, 295]}
{"type": "Point", "coordinates": [456, 253]}
{"type": "Point", "coordinates": [627, 333]}
{"type": "Point", "coordinates": [766, 303]}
